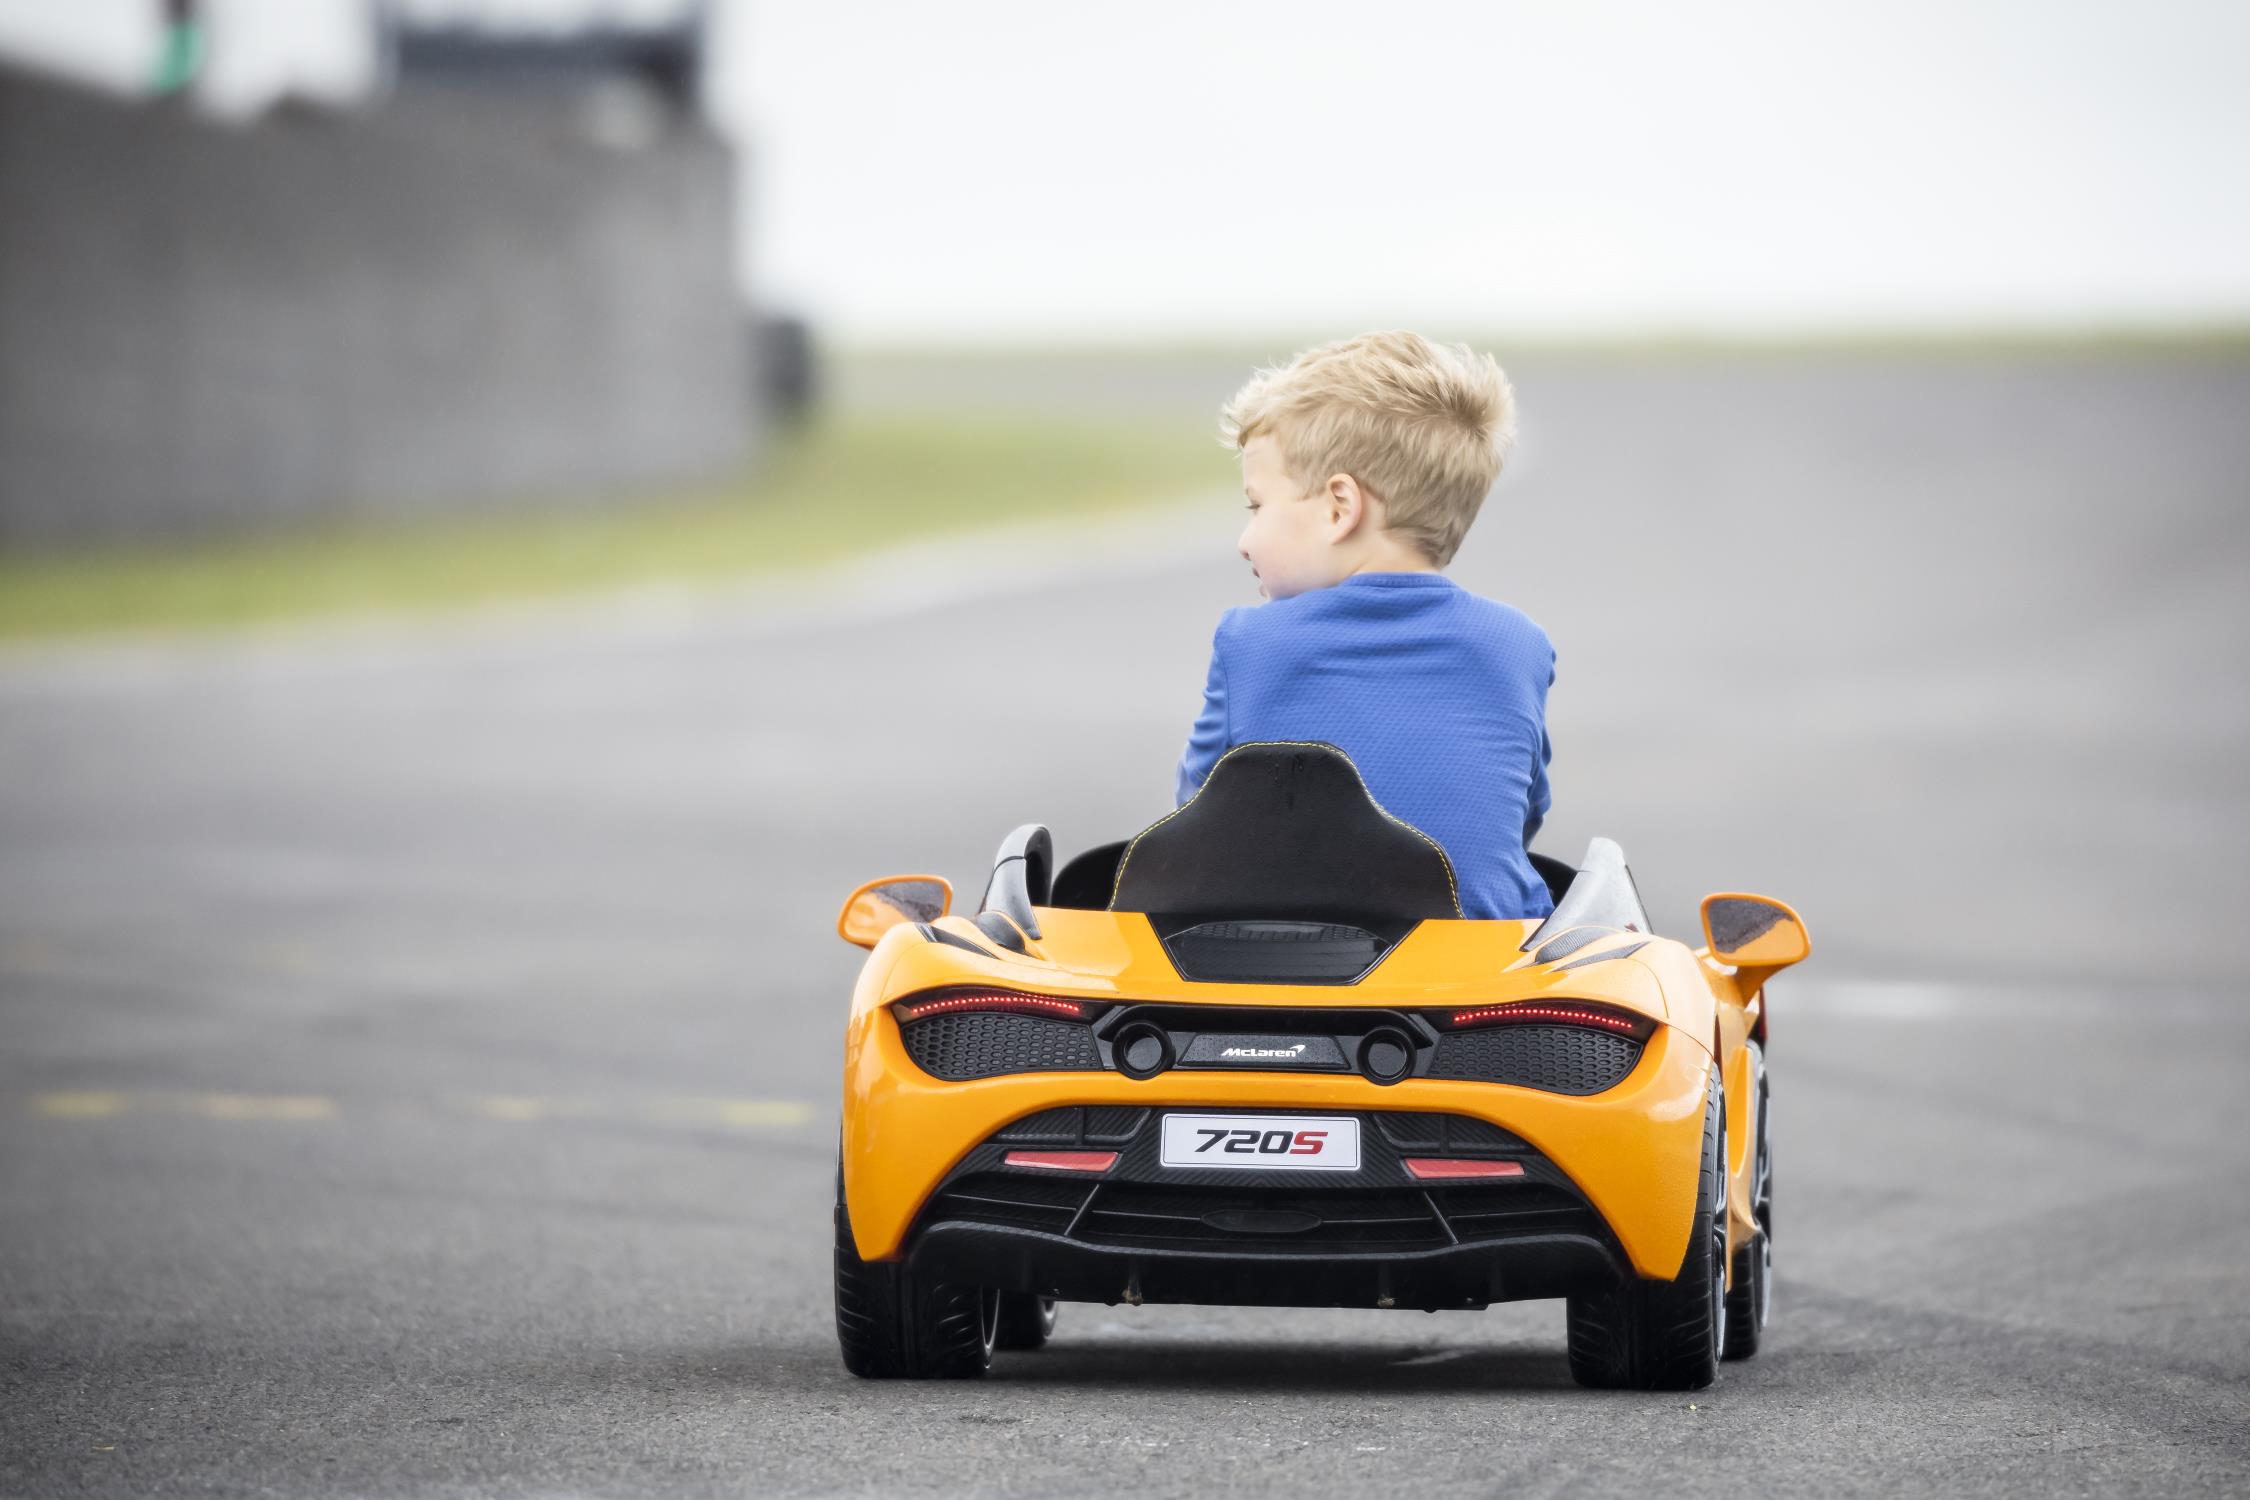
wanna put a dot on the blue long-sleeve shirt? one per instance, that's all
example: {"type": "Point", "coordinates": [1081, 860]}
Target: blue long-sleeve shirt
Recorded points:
{"type": "Point", "coordinates": [1438, 695]}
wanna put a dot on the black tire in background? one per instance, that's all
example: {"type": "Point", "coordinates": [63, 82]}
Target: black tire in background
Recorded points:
{"type": "Point", "coordinates": [1750, 1303]}
{"type": "Point", "coordinates": [1665, 1335]}
{"type": "Point", "coordinates": [1026, 1321]}
{"type": "Point", "coordinates": [1750, 1292]}
{"type": "Point", "coordinates": [894, 1325]}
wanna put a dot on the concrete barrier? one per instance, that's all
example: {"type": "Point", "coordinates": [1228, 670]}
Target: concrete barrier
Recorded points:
{"type": "Point", "coordinates": [442, 304]}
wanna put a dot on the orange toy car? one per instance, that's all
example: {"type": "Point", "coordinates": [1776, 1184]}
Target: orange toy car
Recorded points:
{"type": "Point", "coordinates": [1256, 1056]}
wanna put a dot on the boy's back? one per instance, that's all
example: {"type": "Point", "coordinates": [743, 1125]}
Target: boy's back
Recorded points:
{"type": "Point", "coordinates": [1364, 463]}
{"type": "Point", "coordinates": [1437, 695]}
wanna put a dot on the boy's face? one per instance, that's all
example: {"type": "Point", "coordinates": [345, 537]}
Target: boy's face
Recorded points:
{"type": "Point", "coordinates": [1289, 542]}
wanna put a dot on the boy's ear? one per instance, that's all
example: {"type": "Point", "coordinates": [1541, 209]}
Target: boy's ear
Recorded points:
{"type": "Point", "coordinates": [1347, 506]}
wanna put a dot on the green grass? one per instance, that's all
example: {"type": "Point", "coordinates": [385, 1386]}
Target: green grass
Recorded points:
{"type": "Point", "coordinates": [2219, 339]}
{"type": "Point", "coordinates": [843, 485]}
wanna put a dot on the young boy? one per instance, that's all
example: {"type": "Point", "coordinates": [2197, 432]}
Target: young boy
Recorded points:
{"type": "Point", "coordinates": [1364, 463]}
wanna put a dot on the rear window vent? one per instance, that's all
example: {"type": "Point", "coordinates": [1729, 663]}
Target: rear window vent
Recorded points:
{"type": "Point", "coordinates": [1275, 952]}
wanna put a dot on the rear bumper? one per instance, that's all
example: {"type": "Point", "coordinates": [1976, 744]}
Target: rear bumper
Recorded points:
{"type": "Point", "coordinates": [1460, 1276]}
{"type": "Point", "coordinates": [1503, 1224]}
{"type": "Point", "coordinates": [1631, 1153]}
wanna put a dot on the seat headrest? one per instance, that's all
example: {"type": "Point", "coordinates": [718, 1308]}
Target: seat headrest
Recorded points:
{"type": "Point", "coordinates": [1287, 831]}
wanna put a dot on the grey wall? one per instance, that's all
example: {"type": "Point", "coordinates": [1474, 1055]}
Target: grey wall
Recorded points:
{"type": "Point", "coordinates": [208, 327]}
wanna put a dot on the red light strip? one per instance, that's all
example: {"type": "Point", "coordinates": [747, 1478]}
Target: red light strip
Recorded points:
{"type": "Point", "coordinates": [1571, 1015]}
{"type": "Point", "coordinates": [1064, 1161]}
{"type": "Point", "coordinates": [1429, 1167]}
{"type": "Point", "coordinates": [1042, 1005]}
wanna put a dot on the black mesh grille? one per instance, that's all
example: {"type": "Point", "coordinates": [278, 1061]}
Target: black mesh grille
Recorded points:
{"type": "Point", "coordinates": [1559, 1059]}
{"type": "Point", "coordinates": [980, 1044]}
{"type": "Point", "coordinates": [1076, 1125]}
{"type": "Point", "coordinates": [1447, 1135]}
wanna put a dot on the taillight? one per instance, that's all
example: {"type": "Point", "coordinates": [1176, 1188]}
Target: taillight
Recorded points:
{"type": "Point", "coordinates": [1551, 1013]}
{"type": "Point", "coordinates": [1437, 1168]}
{"type": "Point", "coordinates": [1008, 1002]}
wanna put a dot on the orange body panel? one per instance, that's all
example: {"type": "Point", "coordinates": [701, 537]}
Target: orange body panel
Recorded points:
{"type": "Point", "coordinates": [1632, 1150]}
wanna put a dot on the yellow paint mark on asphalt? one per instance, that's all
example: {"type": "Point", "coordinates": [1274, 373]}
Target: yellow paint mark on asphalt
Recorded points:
{"type": "Point", "coordinates": [81, 1106]}
{"type": "Point", "coordinates": [753, 1113]}
{"type": "Point", "coordinates": [285, 956]}
{"type": "Point", "coordinates": [511, 1107]}
{"type": "Point", "coordinates": [761, 1112]}
{"type": "Point", "coordinates": [263, 1106]}
{"type": "Point", "coordinates": [516, 1109]}
{"type": "Point", "coordinates": [756, 1113]}
{"type": "Point", "coordinates": [28, 953]}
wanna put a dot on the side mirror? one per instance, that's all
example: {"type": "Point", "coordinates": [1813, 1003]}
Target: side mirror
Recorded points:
{"type": "Point", "coordinates": [1753, 932]}
{"type": "Point", "coordinates": [881, 904]}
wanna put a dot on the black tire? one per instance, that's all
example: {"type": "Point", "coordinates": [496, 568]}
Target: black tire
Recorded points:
{"type": "Point", "coordinates": [894, 1325]}
{"type": "Point", "coordinates": [1750, 1303]}
{"type": "Point", "coordinates": [1027, 1321]}
{"type": "Point", "coordinates": [1665, 1335]}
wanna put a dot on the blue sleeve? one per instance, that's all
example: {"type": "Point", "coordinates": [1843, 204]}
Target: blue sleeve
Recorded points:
{"type": "Point", "coordinates": [1542, 795]}
{"type": "Point", "coordinates": [1207, 741]}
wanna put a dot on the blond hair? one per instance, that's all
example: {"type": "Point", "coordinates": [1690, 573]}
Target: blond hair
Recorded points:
{"type": "Point", "coordinates": [1422, 427]}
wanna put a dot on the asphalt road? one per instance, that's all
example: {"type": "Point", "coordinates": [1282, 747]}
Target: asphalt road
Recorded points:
{"type": "Point", "coordinates": [418, 1046]}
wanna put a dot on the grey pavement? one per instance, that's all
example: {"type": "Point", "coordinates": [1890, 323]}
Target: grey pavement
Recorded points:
{"type": "Point", "coordinates": [420, 1051]}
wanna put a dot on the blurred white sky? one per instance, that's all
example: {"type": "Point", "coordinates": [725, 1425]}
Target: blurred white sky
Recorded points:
{"type": "Point", "coordinates": [1164, 169]}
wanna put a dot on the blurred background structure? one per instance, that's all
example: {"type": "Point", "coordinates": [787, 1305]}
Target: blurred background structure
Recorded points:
{"type": "Point", "coordinates": [421, 1016]}
{"type": "Point", "coordinates": [366, 257]}
{"type": "Point", "coordinates": [511, 275]}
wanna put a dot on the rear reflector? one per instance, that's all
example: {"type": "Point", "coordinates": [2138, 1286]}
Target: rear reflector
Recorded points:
{"type": "Point", "coordinates": [1430, 1168]}
{"type": "Point", "coordinates": [1064, 1161]}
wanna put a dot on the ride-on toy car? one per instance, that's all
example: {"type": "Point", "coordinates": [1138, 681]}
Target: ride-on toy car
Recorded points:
{"type": "Point", "coordinates": [1257, 1056]}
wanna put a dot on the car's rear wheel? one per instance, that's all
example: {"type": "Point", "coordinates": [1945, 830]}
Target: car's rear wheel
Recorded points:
{"type": "Point", "coordinates": [1751, 1302]}
{"type": "Point", "coordinates": [1665, 1335]}
{"type": "Point", "coordinates": [894, 1325]}
{"type": "Point", "coordinates": [1026, 1321]}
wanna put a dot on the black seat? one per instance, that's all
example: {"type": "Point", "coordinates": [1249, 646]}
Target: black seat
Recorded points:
{"type": "Point", "coordinates": [1289, 832]}
{"type": "Point", "coordinates": [1085, 883]}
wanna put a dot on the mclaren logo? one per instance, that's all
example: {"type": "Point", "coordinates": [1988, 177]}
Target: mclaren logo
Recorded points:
{"type": "Point", "coordinates": [1280, 1052]}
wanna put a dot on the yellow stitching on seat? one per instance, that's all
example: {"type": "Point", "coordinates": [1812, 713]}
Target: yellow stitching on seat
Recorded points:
{"type": "Point", "coordinates": [1452, 890]}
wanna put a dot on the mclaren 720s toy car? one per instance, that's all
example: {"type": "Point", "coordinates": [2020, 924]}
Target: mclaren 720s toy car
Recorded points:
{"type": "Point", "coordinates": [1257, 1056]}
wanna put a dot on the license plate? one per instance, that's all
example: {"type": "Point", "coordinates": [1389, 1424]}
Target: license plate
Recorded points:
{"type": "Point", "coordinates": [1266, 1143]}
